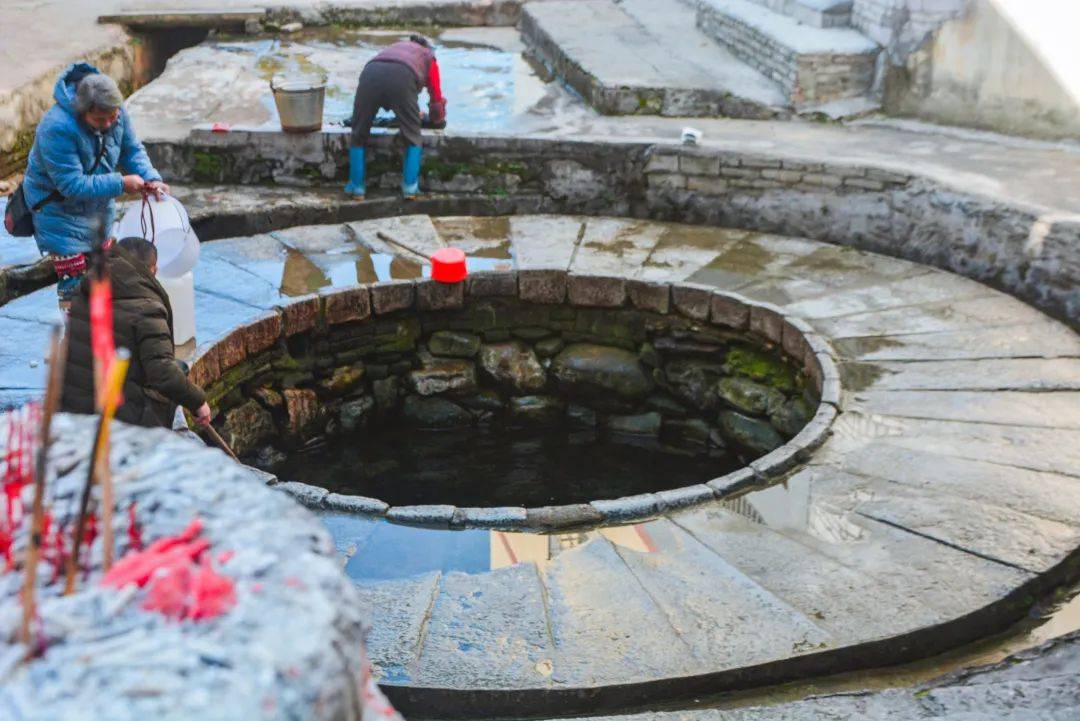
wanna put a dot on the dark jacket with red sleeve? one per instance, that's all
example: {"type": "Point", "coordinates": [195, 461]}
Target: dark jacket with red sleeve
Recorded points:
{"type": "Point", "coordinates": [421, 60]}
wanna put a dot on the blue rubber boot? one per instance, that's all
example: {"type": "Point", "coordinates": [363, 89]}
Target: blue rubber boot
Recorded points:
{"type": "Point", "coordinates": [410, 173]}
{"type": "Point", "coordinates": [356, 188]}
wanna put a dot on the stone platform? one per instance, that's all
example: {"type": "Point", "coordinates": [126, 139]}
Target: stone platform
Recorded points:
{"type": "Point", "coordinates": [945, 500]}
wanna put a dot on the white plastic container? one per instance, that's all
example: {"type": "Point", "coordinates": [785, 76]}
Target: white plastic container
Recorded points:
{"type": "Point", "coordinates": [170, 231]}
{"type": "Point", "coordinates": [181, 293]}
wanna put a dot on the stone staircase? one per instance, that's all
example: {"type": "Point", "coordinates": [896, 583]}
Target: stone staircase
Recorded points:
{"type": "Point", "coordinates": [807, 46]}
{"type": "Point", "coordinates": [752, 59]}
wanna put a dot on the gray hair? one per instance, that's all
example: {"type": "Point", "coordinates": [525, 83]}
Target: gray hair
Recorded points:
{"type": "Point", "coordinates": [97, 91]}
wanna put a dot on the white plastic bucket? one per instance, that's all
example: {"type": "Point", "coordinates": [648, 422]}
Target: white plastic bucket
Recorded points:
{"type": "Point", "coordinates": [181, 293]}
{"type": "Point", "coordinates": [177, 244]}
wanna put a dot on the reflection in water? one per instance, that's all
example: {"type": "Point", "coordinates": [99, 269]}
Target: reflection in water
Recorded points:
{"type": "Point", "coordinates": [375, 550]}
{"type": "Point", "coordinates": [300, 275]}
{"type": "Point", "coordinates": [307, 273]}
{"type": "Point", "coordinates": [790, 506]}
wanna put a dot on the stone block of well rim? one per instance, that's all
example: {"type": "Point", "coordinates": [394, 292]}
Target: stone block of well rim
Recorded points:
{"type": "Point", "coordinates": [768, 322]}
{"type": "Point", "coordinates": [628, 508]}
{"type": "Point", "coordinates": [794, 337]}
{"type": "Point", "coordinates": [502, 517]}
{"type": "Point", "coordinates": [355, 504]}
{"type": "Point", "coordinates": [735, 482]}
{"type": "Point", "coordinates": [649, 295]}
{"type": "Point", "coordinates": [777, 462]}
{"type": "Point", "coordinates": [692, 301]}
{"type": "Point", "coordinates": [342, 305]}
{"type": "Point", "coordinates": [599, 291]}
{"type": "Point", "coordinates": [231, 350]}
{"type": "Point", "coordinates": [434, 516]}
{"type": "Point", "coordinates": [302, 314]}
{"type": "Point", "coordinates": [263, 332]}
{"type": "Point", "coordinates": [308, 495]}
{"type": "Point", "coordinates": [685, 497]}
{"type": "Point", "coordinates": [830, 379]}
{"type": "Point", "coordinates": [433, 295]}
{"type": "Point", "coordinates": [542, 285]}
{"type": "Point", "coordinates": [391, 295]}
{"type": "Point", "coordinates": [492, 283]}
{"type": "Point", "coordinates": [551, 518]}
{"type": "Point", "coordinates": [815, 432]}
{"type": "Point", "coordinates": [729, 310]}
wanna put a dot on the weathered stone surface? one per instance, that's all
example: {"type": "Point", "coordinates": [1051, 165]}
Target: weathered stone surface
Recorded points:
{"type": "Point", "coordinates": [642, 424]}
{"type": "Point", "coordinates": [492, 283]}
{"type": "Point", "coordinates": [308, 495]}
{"type": "Point", "coordinates": [694, 381]}
{"type": "Point", "coordinates": [542, 286]}
{"type": "Point", "coordinates": [434, 413]}
{"type": "Point", "coordinates": [649, 296]}
{"type": "Point", "coordinates": [483, 400]}
{"type": "Point", "coordinates": [597, 371]}
{"type": "Point", "coordinates": [392, 295]}
{"type": "Point", "coordinates": [689, 431]}
{"type": "Point", "coordinates": [777, 462]}
{"type": "Point", "coordinates": [305, 415]}
{"type": "Point", "coordinates": [492, 626]}
{"type": "Point", "coordinates": [247, 427]}
{"type": "Point", "coordinates": [734, 482]}
{"type": "Point", "coordinates": [513, 365]}
{"type": "Point", "coordinates": [748, 396]}
{"type": "Point", "coordinates": [396, 612]}
{"type": "Point", "coordinates": [580, 416]}
{"type": "Point", "coordinates": [262, 333]}
{"type": "Point", "coordinates": [499, 517]}
{"type": "Point", "coordinates": [666, 406]}
{"type": "Point", "coordinates": [750, 433]}
{"type": "Point", "coordinates": [628, 508]}
{"type": "Point", "coordinates": [729, 310]}
{"type": "Point", "coordinates": [530, 332]}
{"type": "Point", "coordinates": [534, 411]}
{"type": "Point", "coordinates": [343, 379]}
{"type": "Point", "coordinates": [692, 301]}
{"type": "Point", "coordinates": [386, 394]}
{"type": "Point", "coordinates": [458, 344]}
{"type": "Point", "coordinates": [301, 314]}
{"type": "Point", "coordinates": [549, 347]}
{"type": "Point", "coordinates": [356, 414]}
{"type": "Point", "coordinates": [790, 416]}
{"type": "Point", "coordinates": [269, 397]}
{"type": "Point", "coordinates": [596, 290]}
{"type": "Point", "coordinates": [443, 375]}
{"type": "Point", "coordinates": [768, 322]}
{"type": "Point", "coordinates": [684, 497]}
{"type": "Point", "coordinates": [342, 305]}
{"type": "Point", "coordinates": [432, 295]}
{"type": "Point", "coordinates": [436, 516]}
{"type": "Point", "coordinates": [354, 504]}
{"type": "Point", "coordinates": [558, 517]}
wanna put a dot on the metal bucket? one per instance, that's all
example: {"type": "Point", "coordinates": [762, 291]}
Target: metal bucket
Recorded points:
{"type": "Point", "coordinates": [299, 103]}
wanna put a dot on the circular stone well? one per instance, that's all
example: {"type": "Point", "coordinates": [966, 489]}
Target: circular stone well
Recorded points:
{"type": "Point", "coordinates": [538, 399]}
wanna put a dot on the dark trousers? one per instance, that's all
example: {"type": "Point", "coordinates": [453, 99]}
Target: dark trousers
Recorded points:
{"type": "Point", "coordinates": [387, 85]}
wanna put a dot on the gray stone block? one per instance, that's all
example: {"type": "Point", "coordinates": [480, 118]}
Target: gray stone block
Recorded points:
{"type": "Point", "coordinates": [434, 516]}
{"type": "Point", "coordinates": [735, 482]}
{"type": "Point", "coordinates": [308, 495]}
{"type": "Point", "coordinates": [684, 497]}
{"type": "Point", "coordinates": [432, 295]}
{"type": "Point", "coordinates": [392, 295]}
{"type": "Point", "coordinates": [355, 504]}
{"type": "Point", "coordinates": [830, 379]}
{"type": "Point", "coordinates": [628, 508]}
{"type": "Point", "coordinates": [691, 300]}
{"type": "Point", "coordinates": [492, 283]}
{"type": "Point", "coordinates": [768, 322]}
{"type": "Point", "coordinates": [501, 517]}
{"type": "Point", "coordinates": [776, 463]}
{"type": "Point", "coordinates": [729, 310]}
{"type": "Point", "coordinates": [815, 432]}
{"type": "Point", "coordinates": [599, 291]}
{"type": "Point", "coordinates": [542, 286]}
{"type": "Point", "coordinates": [562, 517]}
{"type": "Point", "coordinates": [647, 295]}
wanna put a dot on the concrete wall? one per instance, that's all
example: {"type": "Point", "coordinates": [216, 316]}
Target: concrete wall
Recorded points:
{"type": "Point", "coordinates": [962, 62]}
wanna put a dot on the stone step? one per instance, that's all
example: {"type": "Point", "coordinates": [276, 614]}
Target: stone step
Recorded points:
{"type": "Point", "coordinates": [816, 13]}
{"type": "Point", "coordinates": [488, 630]}
{"type": "Point", "coordinates": [645, 57]}
{"type": "Point", "coordinates": [814, 65]}
{"type": "Point", "coordinates": [606, 627]}
{"type": "Point", "coordinates": [396, 613]}
{"type": "Point", "coordinates": [727, 619]}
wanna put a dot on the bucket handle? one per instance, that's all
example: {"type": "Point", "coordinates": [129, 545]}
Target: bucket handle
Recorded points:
{"type": "Point", "coordinates": [147, 208]}
{"type": "Point", "coordinates": [324, 78]}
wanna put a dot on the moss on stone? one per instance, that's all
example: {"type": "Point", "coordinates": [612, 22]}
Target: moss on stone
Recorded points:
{"type": "Point", "coordinates": [761, 366]}
{"type": "Point", "coordinates": [206, 167]}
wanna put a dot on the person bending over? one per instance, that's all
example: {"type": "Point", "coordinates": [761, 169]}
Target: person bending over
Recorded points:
{"type": "Point", "coordinates": [393, 79]}
{"type": "Point", "coordinates": [142, 323]}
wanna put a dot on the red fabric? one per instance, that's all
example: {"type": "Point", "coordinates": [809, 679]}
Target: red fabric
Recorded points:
{"type": "Point", "coordinates": [434, 83]}
{"type": "Point", "coordinates": [69, 266]}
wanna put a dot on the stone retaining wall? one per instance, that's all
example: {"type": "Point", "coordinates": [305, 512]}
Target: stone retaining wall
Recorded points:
{"type": "Point", "coordinates": [374, 329]}
{"type": "Point", "coordinates": [1018, 249]}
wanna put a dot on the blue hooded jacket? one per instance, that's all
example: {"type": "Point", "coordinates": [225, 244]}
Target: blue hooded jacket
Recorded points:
{"type": "Point", "coordinates": [63, 153]}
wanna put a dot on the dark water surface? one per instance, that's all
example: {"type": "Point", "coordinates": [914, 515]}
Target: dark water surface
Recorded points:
{"type": "Point", "coordinates": [497, 468]}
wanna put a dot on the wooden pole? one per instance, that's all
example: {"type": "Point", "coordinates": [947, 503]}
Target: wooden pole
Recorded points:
{"type": "Point", "coordinates": [219, 441]}
{"type": "Point", "coordinates": [53, 388]}
{"type": "Point", "coordinates": [114, 382]}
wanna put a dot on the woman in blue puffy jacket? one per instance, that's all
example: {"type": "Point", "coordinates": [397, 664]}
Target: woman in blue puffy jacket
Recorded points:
{"type": "Point", "coordinates": [80, 147]}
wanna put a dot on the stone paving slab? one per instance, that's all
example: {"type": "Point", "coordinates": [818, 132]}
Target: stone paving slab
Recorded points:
{"type": "Point", "coordinates": [1047, 339]}
{"type": "Point", "coordinates": [396, 613]}
{"type": "Point", "coordinates": [488, 630]}
{"type": "Point", "coordinates": [560, 238]}
{"type": "Point", "coordinates": [993, 374]}
{"type": "Point", "coordinates": [1049, 409]}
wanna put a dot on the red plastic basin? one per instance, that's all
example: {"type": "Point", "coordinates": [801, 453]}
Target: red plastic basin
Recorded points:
{"type": "Point", "coordinates": [448, 265]}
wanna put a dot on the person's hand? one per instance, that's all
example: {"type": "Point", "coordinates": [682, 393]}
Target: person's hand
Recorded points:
{"type": "Point", "coordinates": [202, 416]}
{"type": "Point", "coordinates": [133, 184]}
{"type": "Point", "coordinates": [158, 188]}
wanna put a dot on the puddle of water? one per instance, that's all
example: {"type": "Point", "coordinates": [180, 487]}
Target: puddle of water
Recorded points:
{"type": "Point", "coordinates": [496, 467]}
{"type": "Point", "coordinates": [488, 87]}
{"type": "Point", "coordinates": [375, 550]}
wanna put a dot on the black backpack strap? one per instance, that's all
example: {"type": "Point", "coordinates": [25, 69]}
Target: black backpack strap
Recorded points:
{"type": "Point", "coordinates": [56, 195]}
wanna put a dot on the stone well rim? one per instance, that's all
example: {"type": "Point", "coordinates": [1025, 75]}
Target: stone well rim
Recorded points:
{"type": "Point", "coordinates": [766, 323]}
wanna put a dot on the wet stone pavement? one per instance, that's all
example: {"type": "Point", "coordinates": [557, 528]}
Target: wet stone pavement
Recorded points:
{"type": "Point", "coordinates": [949, 482]}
